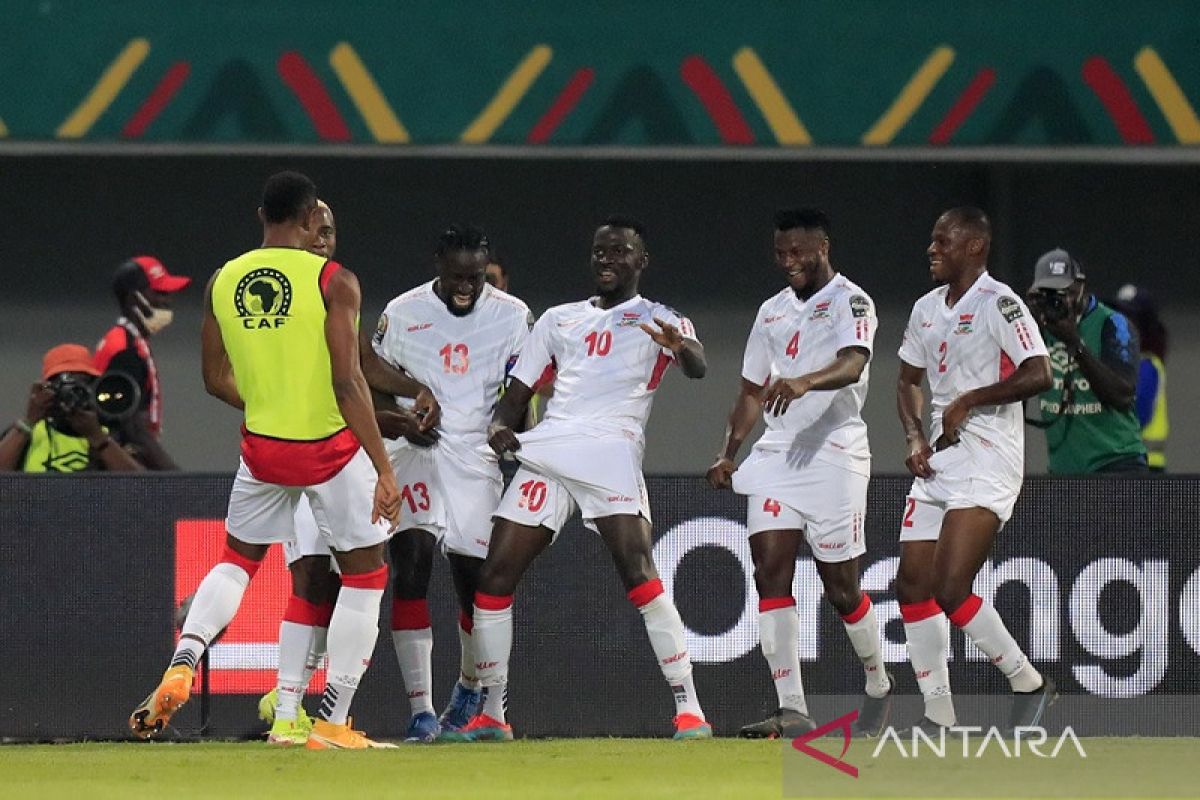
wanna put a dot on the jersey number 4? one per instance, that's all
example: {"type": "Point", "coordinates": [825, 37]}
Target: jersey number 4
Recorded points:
{"type": "Point", "coordinates": [598, 344]}
{"type": "Point", "coordinates": [793, 347]}
{"type": "Point", "coordinates": [455, 358]}
{"type": "Point", "coordinates": [772, 507]}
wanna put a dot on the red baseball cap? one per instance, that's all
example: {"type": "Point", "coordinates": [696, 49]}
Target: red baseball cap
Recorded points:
{"type": "Point", "coordinates": [160, 280]}
{"type": "Point", "coordinates": [67, 358]}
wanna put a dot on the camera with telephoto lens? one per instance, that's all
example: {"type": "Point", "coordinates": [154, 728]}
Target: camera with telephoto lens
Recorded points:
{"type": "Point", "coordinates": [1051, 305]}
{"type": "Point", "coordinates": [71, 394]}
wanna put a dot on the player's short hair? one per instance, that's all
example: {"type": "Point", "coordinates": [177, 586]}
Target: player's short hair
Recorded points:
{"type": "Point", "coordinates": [287, 195]}
{"type": "Point", "coordinates": [494, 258]}
{"type": "Point", "coordinates": [462, 237]}
{"type": "Point", "coordinates": [628, 223]}
{"type": "Point", "coordinates": [973, 218]}
{"type": "Point", "coordinates": [809, 219]}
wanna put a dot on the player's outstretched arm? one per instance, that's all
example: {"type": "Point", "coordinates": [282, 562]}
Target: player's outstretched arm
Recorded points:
{"type": "Point", "coordinates": [910, 401]}
{"type": "Point", "coordinates": [214, 359]}
{"type": "Point", "coordinates": [746, 410]}
{"type": "Point", "coordinates": [1032, 377]}
{"type": "Point", "coordinates": [510, 411]}
{"type": "Point", "coordinates": [383, 377]}
{"type": "Point", "coordinates": [689, 353]}
{"type": "Point", "coordinates": [844, 370]}
{"type": "Point", "coordinates": [342, 298]}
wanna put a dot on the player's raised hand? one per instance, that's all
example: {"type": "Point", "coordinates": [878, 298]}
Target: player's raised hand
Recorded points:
{"type": "Point", "coordinates": [781, 394]}
{"type": "Point", "coordinates": [667, 336]}
{"type": "Point", "coordinates": [917, 462]}
{"type": "Point", "coordinates": [428, 409]}
{"type": "Point", "coordinates": [386, 504]}
{"type": "Point", "coordinates": [502, 439]}
{"type": "Point", "coordinates": [720, 474]}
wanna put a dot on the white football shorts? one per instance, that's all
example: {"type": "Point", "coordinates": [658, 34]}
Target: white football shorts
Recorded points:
{"type": "Point", "coordinates": [966, 475]}
{"type": "Point", "coordinates": [265, 513]}
{"type": "Point", "coordinates": [562, 468]}
{"type": "Point", "coordinates": [827, 502]}
{"type": "Point", "coordinates": [451, 491]}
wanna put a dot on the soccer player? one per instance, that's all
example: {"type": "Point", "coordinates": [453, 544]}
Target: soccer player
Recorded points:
{"type": "Point", "coordinates": [974, 340]}
{"type": "Point", "coordinates": [279, 341]}
{"type": "Point", "coordinates": [303, 632]}
{"type": "Point", "coordinates": [806, 370]}
{"type": "Point", "coordinates": [610, 353]}
{"type": "Point", "coordinates": [458, 335]}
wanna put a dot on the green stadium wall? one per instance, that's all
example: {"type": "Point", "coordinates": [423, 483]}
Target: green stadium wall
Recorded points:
{"type": "Point", "coordinates": [817, 73]}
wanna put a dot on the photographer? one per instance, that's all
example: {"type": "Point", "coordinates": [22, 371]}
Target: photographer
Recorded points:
{"type": "Point", "coordinates": [61, 431]}
{"type": "Point", "coordinates": [144, 290]}
{"type": "Point", "coordinates": [1088, 413]}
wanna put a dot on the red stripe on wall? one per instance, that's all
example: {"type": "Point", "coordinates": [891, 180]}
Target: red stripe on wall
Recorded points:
{"type": "Point", "coordinates": [964, 106]}
{"type": "Point", "coordinates": [566, 101]}
{"type": "Point", "coordinates": [1117, 100]}
{"type": "Point", "coordinates": [717, 101]}
{"type": "Point", "coordinates": [166, 89]}
{"type": "Point", "coordinates": [313, 97]}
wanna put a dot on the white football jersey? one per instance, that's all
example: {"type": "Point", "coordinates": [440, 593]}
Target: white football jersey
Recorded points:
{"type": "Point", "coordinates": [977, 342]}
{"type": "Point", "coordinates": [463, 360]}
{"type": "Point", "coordinates": [606, 367]}
{"type": "Point", "coordinates": [792, 337]}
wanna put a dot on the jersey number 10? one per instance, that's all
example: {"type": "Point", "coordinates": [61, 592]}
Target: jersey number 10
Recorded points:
{"type": "Point", "coordinates": [598, 344]}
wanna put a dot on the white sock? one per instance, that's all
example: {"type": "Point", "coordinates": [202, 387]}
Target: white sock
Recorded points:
{"type": "Point", "coordinates": [928, 645]}
{"type": "Point", "coordinates": [987, 631]}
{"type": "Point", "coordinates": [665, 629]}
{"type": "Point", "coordinates": [414, 651]}
{"type": "Point", "coordinates": [316, 653]}
{"type": "Point", "coordinates": [493, 635]}
{"type": "Point", "coordinates": [295, 641]}
{"type": "Point", "coordinates": [779, 635]}
{"type": "Point", "coordinates": [213, 607]}
{"type": "Point", "coordinates": [864, 638]}
{"type": "Point", "coordinates": [466, 644]}
{"type": "Point", "coordinates": [352, 635]}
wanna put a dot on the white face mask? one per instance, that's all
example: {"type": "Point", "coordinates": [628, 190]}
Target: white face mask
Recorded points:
{"type": "Point", "coordinates": [152, 319]}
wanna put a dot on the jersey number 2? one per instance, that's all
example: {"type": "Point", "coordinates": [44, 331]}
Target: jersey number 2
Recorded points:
{"type": "Point", "coordinates": [455, 358]}
{"type": "Point", "coordinates": [942, 357]}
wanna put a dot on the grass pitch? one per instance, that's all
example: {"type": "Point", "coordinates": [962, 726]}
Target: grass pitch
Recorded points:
{"type": "Point", "coordinates": [582, 768]}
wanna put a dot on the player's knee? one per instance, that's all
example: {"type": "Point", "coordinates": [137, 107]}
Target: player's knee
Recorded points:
{"type": "Point", "coordinates": [495, 579]}
{"type": "Point", "coordinates": [951, 594]}
{"type": "Point", "coordinates": [773, 580]}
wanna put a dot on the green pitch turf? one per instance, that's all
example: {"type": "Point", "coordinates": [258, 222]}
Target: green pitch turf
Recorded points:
{"type": "Point", "coordinates": [577, 768]}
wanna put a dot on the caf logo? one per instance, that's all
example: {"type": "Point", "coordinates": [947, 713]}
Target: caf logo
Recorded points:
{"type": "Point", "coordinates": [262, 298]}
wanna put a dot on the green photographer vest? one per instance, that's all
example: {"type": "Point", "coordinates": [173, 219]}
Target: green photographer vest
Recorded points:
{"type": "Point", "coordinates": [1085, 435]}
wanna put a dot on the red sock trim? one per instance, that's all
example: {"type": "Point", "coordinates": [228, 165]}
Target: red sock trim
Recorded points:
{"type": "Point", "coordinates": [915, 612]}
{"type": "Point", "coordinates": [410, 615]}
{"type": "Point", "coordinates": [493, 602]}
{"type": "Point", "coordinates": [301, 612]}
{"type": "Point", "coordinates": [860, 612]}
{"type": "Point", "coordinates": [967, 611]}
{"type": "Point", "coordinates": [766, 604]}
{"type": "Point", "coordinates": [230, 556]}
{"type": "Point", "coordinates": [324, 614]}
{"type": "Point", "coordinates": [465, 622]}
{"type": "Point", "coordinates": [376, 579]}
{"type": "Point", "coordinates": [643, 593]}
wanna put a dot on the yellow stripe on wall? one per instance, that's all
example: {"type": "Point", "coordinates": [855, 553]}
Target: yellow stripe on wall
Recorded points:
{"type": "Point", "coordinates": [1170, 98]}
{"type": "Point", "coordinates": [105, 91]}
{"type": "Point", "coordinates": [784, 123]}
{"type": "Point", "coordinates": [365, 94]}
{"type": "Point", "coordinates": [514, 88]}
{"type": "Point", "coordinates": [911, 97]}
